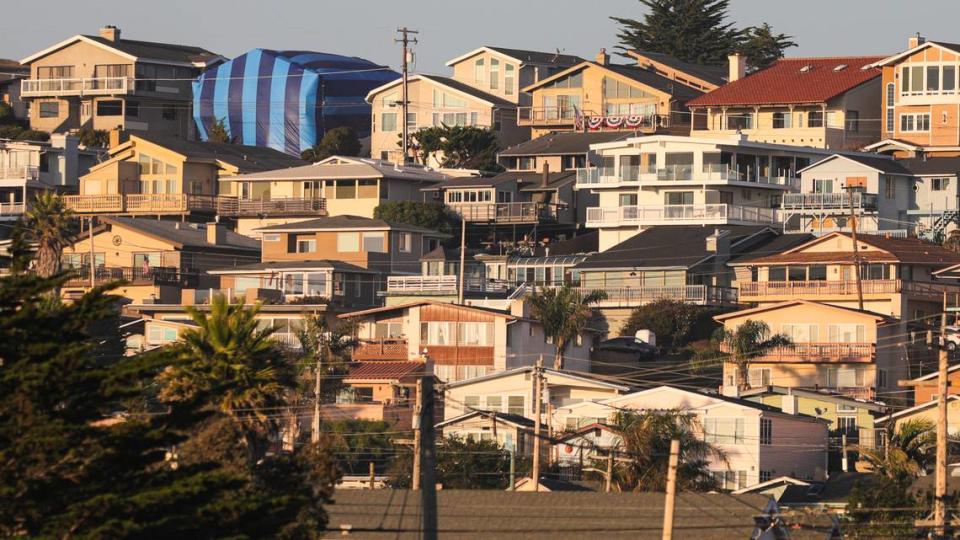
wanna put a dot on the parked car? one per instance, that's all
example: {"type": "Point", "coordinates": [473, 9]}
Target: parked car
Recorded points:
{"type": "Point", "coordinates": [951, 337]}
{"type": "Point", "coordinates": [629, 345]}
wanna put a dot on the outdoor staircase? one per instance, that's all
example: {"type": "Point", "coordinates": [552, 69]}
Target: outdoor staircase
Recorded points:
{"type": "Point", "coordinates": [936, 232]}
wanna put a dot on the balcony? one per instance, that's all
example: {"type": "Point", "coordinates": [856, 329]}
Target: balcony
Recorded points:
{"type": "Point", "coordinates": [515, 212]}
{"type": "Point", "coordinates": [158, 275]}
{"type": "Point", "coordinates": [832, 201]}
{"type": "Point", "coordinates": [441, 285]}
{"type": "Point", "coordinates": [96, 86]}
{"type": "Point", "coordinates": [381, 349]}
{"type": "Point", "coordinates": [19, 174]}
{"type": "Point", "coordinates": [700, 214]}
{"type": "Point", "coordinates": [626, 175]}
{"type": "Point", "coordinates": [292, 206]}
{"type": "Point", "coordinates": [12, 210]}
{"type": "Point", "coordinates": [548, 116]}
{"type": "Point", "coordinates": [753, 291]}
{"type": "Point", "coordinates": [637, 296]}
{"type": "Point", "coordinates": [826, 353]}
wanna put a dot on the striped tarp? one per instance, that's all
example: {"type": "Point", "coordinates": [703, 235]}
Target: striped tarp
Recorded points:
{"type": "Point", "coordinates": [286, 100]}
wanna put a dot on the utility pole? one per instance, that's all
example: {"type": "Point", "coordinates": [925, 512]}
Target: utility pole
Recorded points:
{"type": "Point", "coordinates": [373, 476]}
{"type": "Point", "coordinates": [513, 470]}
{"type": "Point", "coordinates": [856, 249]}
{"type": "Point", "coordinates": [463, 254]}
{"type": "Point", "coordinates": [428, 465]}
{"type": "Point", "coordinates": [608, 484]}
{"type": "Point", "coordinates": [315, 427]}
{"type": "Point", "coordinates": [406, 40]}
{"type": "Point", "coordinates": [538, 387]}
{"type": "Point", "coordinates": [940, 490]}
{"type": "Point", "coordinates": [417, 412]}
{"type": "Point", "coordinates": [93, 258]}
{"type": "Point", "coordinates": [671, 489]}
{"type": "Point", "coordinates": [843, 442]}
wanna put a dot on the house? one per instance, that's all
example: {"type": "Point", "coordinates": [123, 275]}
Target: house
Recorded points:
{"type": "Point", "coordinates": [378, 391]}
{"type": "Point", "coordinates": [699, 76]}
{"type": "Point", "coordinates": [11, 73]}
{"type": "Point", "coordinates": [824, 498]}
{"type": "Point", "coordinates": [843, 349]}
{"type": "Point", "coordinates": [897, 275]}
{"type": "Point", "coordinates": [848, 416]}
{"type": "Point", "coordinates": [462, 341]}
{"type": "Point", "coordinates": [107, 82]}
{"type": "Point", "coordinates": [925, 411]}
{"type": "Point", "coordinates": [919, 103]}
{"type": "Point", "coordinates": [599, 95]}
{"type": "Point", "coordinates": [548, 264]}
{"type": "Point", "coordinates": [923, 393]}
{"type": "Point", "coordinates": [583, 446]}
{"type": "Point", "coordinates": [559, 151]}
{"type": "Point", "coordinates": [816, 102]}
{"type": "Point", "coordinates": [706, 180]}
{"type": "Point", "coordinates": [759, 442]}
{"type": "Point", "coordinates": [30, 167]}
{"type": "Point", "coordinates": [286, 100]}
{"type": "Point", "coordinates": [510, 431]}
{"type": "Point", "coordinates": [513, 392]}
{"type": "Point", "coordinates": [335, 186]}
{"type": "Point", "coordinates": [439, 279]}
{"type": "Point", "coordinates": [157, 259]}
{"type": "Point", "coordinates": [161, 175]}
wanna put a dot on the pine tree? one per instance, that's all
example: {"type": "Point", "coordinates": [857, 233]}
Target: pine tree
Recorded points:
{"type": "Point", "coordinates": [219, 132]}
{"type": "Point", "coordinates": [691, 30]}
{"type": "Point", "coordinates": [762, 47]}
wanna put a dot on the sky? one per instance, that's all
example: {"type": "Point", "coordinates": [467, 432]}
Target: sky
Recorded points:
{"type": "Point", "coordinates": [367, 28]}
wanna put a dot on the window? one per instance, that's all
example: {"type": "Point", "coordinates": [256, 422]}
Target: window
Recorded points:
{"type": "Point", "coordinates": [348, 242]}
{"type": "Point", "coordinates": [949, 78]}
{"type": "Point", "coordinates": [889, 188]}
{"type": "Point", "coordinates": [475, 334]}
{"type": "Point", "coordinates": [940, 184]}
{"type": "Point", "coordinates": [777, 273]}
{"type": "Point", "coordinates": [159, 334]}
{"type": "Point", "coordinates": [730, 480]}
{"type": "Point", "coordinates": [471, 402]}
{"type": "Point", "coordinates": [388, 121]}
{"type": "Point", "coordinates": [882, 378]}
{"type": "Point", "coordinates": [112, 107]}
{"type": "Point", "coordinates": [132, 110]}
{"type": "Point", "coordinates": [271, 237]}
{"type": "Point", "coordinates": [494, 74]}
{"type": "Point", "coordinates": [306, 245]}
{"type": "Point", "coordinates": [891, 91]}
{"type": "Point", "coordinates": [49, 109]}
{"type": "Point", "coordinates": [766, 476]}
{"type": "Point", "coordinates": [168, 112]}
{"type": "Point", "coordinates": [723, 430]}
{"type": "Point", "coordinates": [782, 120]}
{"type": "Point", "coordinates": [509, 79]}
{"type": "Point", "coordinates": [915, 122]}
{"type": "Point", "coordinates": [853, 121]}
{"type": "Point", "coordinates": [847, 425]}
{"type": "Point", "coordinates": [766, 431]}
{"type": "Point", "coordinates": [815, 119]}
{"type": "Point", "coordinates": [367, 188]}
{"type": "Point", "coordinates": [740, 120]}
{"type": "Point", "coordinates": [405, 242]}
{"type": "Point", "coordinates": [515, 405]}
{"type": "Point", "coordinates": [679, 197]}
{"type": "Point", "coordinates": [478, 71]}
{"type": "Point", "coordinates": [345, 189]}
{"type": "Point", "coordinates": [801, 333]}
{"type": "Point", "coordinates": [494, 403]}
{"type": "Point", "coordinates": [55, 72]}
{"type": "Point", "coordinates": [373, 242]}
{"type": "Point", "coordinates": [760, 377]}
{"type": "Point", "coordinates": [846, 333]}
{"type": "Point", "coordinates": [844, 377]}
{"type": "Point", "coordinates": [933, 79]}
{"type": "Point", "coordinates": [338, 284]}
{"type": "Point", "coordinates": [293, 283]}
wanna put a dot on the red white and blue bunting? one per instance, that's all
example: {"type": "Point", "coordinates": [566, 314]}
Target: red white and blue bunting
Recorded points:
{"type": "Point", "coordinates": [595, 123]}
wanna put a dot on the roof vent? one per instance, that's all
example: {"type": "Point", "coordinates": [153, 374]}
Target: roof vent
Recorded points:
{"type": "Point", "coordinates": [806, 68]}
{"type": "Point", "coordinates": [841, 67]}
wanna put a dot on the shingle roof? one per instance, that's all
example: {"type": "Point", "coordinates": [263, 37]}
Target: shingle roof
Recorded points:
{"type": "Point", "coordinates": [274, 266]}
{"type": "Point", "coordinates": [556, 515]}
{"type": "Point", "coordinates": [383, 370]}
{"type": "Point", "coordinates": [345, 222]}
{"type": "Point", "coordinates": [469, 90]}
{"type": "Point", "coordinates": [679, 91]}
{"type": "Point", "coordinates": [533, 180]}
{"type": "Point", "coordinates": [159, 51]}
{"type": "Point", "coordinates": [882, 163]}
{"type": "Point", "coordinates": [786, 82]}
{"type": "Point", "coordinates": [767, 245]}
{"type": "Point", "coordinates": [564, 143]}
{"type": "Point", "coordinates": [538, 57]}
{"type": "Point", "coordinates": [904, 250]}
{"type": "Point", "coordinates": [247, 159]}
{"type": "Point", "coordinates": [667, 246]}
{"type": "Point", "coordinates": [931, 165]}
{"type": "Point", "coordinates": [713, 74]}
{"type": "Point", "coordinates": [346, 167]}
{"type": "Point", "coordinates": [189, 235]}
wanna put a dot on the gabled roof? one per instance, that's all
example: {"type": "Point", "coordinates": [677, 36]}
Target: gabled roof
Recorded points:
{"type": "Point", "coordinates": [952, 47]}
{"type": "Point", "coordinates": [347, 223]}
{"type": "Point", "coordinates": [791, 303]}
{"type": "Point", "coordinates": [589, 428]}
{"type": "Point", "coordinates": [716, 75]}
{"type": "Point", "coordinates": [794, 81]}
{"type": "Point", "coordinates": [184, 235]}
{"type": "Point", "coordinates": [717, 400]}
{"type": "Point", "coordinates": [523, 56]}
{"type": "Point", "coordinates": [780, 480]}
{"type": "Point", "coordinates": [935, 374]}
{"type": "Point", "coordinates": [407, 305]}
{"type": "Point", "coordinates": [135, 50]}
{"type": "Point", "coordinates": [563, 143]}
{"type": "Point", "coordinates": [914, 409]}
{"type": "Point", "coordinates": [903, 250]}
{"type": "Point", "coordinates": [450, 84]}
{"type": "Point", "coordinates": [515, 420]}
{"type": "Point", "coordinates": [818, 393]}
{"type": "Point", "coordinates": [247, 159]}
{"type": "Point", "coordinates": [887, 143]}
{"type": "Point", "coordinates": [386, 370]}
{"type": "Point", "coordinates": [271, 267]}
{"type": "Point", "coordinates": [345, 167]}
{"type": "Point", "coordinates": [881, 164]}
{"type": "Point", "coordinates": [645, 77]}
{"type": "Point", "coordinates": [546, 371]}
{"type": "Point", "coordinates": [931, 165]}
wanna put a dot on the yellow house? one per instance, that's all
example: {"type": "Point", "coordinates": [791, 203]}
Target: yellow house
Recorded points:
{"type": "Point", "coordinates": [926, 411]}
{"type": "Point", "coordinates": [157, 260]}
{"type": "Point", "coordinates": [152, 174]}
{"type": "Point", "coordinates": [816, 102]}
{"type": "Point", "coordinates": [502, 71]}
{"type": "Point", "coordinates": [833, 348]}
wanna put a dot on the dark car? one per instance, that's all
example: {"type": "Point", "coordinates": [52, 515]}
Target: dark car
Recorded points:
{"type": "Point", "coordinates": [629, 345]}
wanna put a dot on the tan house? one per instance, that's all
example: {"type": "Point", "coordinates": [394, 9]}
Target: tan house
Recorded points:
{"type": "Point", "coordinates": [926, 392]}
{"type": "Point", "coordinates": [108, 82]}
{"type": "Point", "coordinates": [896, 273]}
{"type": "Point", "coordinates": [336, 186]}
{"type": "Point", "coordinates": [158, 175]}
{"type": "Point", "coordinates": [926, 411]}
{"type": "Point", "coordinates": [462, 341]}
{"type": "Point", "coordinates": [921, 94]}
{"type": "Point", "coordinates": [836, 348]}
{"type": "Point", "coordinates": [435, 101]}
{"type": "Point", "coordinates": [600, 96]}
{"type": "Point", "coordinates": [816, 102]}
{"type": "Point", "coordinates": [511, 432]}
{"type": "Point", "coordinates": [156, 259]}
{"type": "Point", "coordinates": [378, 391]}
{"type": "Point", "coordinates": [503, 72]}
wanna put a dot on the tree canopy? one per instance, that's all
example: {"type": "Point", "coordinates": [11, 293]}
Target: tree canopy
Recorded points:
{"type": "Point", "coordinates": [434, 216]}
{"type": "Point", "coordinates": [339, 141]}
{"type": "Point", "coordinates": [458, 147]}
{"type": "Point", "coordinates": [762, 47]}
{"type": "Point", "coordinates": [219, 133]}
{"type": "Point", "coordinates": [564, 313]}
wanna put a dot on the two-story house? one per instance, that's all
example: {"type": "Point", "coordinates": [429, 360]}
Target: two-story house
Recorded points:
{"type": "Point", "coordinates": [815, 102]}
{"type": "Point", "coordinates": [108, 82]}
{"type": "Point", "coordinates": [847, 350]}
{"type": "Point", "coordinates": [156, 175]}
{"type": "Point", "coordinates": [758, 442]}
{"type": "Point", "coordinates": [602, 96]}
{"type": "Point", "coordinates": [335, 186]}
{"type": "Point", "coordinates": [462, 341]}
{"type": "Point", "coordinates": [11, 73]}
{"type": "Point", "coordinates": [919, 100]}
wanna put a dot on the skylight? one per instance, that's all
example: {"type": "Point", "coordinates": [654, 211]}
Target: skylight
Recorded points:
{"type": "Point", "coordinates": [806, 68]}
{"type": "Point", "coordinates": [841, 67]}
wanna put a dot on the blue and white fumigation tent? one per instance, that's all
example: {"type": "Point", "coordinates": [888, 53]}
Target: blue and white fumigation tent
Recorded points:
{"type": "Point", "coordinates": [286, 100]}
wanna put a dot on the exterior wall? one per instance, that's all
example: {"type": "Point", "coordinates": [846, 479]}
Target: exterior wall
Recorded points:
{"type": "Point", "coordinates": [392, 260]}
{"type": "Point", "coordinates": [506, 435]}
{"type": "Point", "coordinates": [923, 394]}
{"type": "Point", "coordinates": [798, 449]}
{"type": "Point", "coordinates": [464, 71]}
{"type": "Point", "coordinates": [944, 109]}
{"type": "Point", "coordinates": [930, 414]}
{"type": "Point", "coordinates": [825, 410]}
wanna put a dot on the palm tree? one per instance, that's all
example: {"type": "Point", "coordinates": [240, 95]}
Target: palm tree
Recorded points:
{"type": "Point", "coordinates": [911, 450]}
{"type": "Point", "coordinates": [231, 365]}
{"type": "Point", "coordinates": [750, 340]}
{"type": "Point", "coordinates": [646, 440]}
{"type": "Point", "coordinates": [563, 312]}
{"type": "Point", "coordinates": [322, 346]}
{"type": "Point", "coordinates": [49, 221]}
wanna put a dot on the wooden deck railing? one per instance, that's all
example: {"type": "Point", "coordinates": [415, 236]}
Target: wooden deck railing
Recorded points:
{"type": "Point", "coordinates": [515, 212]}
{"type": "Point", "coordinates": [381, 349]}
{"type": "Point", "coordinates": [637, 296]}
{"type": "Point", "coordinates": [820, 353]}
{"type": "Point", "coordinates": [817, 288]}
{"type": "Point", "coordinates": [183, 203]}
{"type": "Point", "coordinates": [159, 275]}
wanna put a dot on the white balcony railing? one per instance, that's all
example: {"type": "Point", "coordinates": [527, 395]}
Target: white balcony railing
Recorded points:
{"type": "Point", "coordinates": [448, 284]}
{"type": "Point", "coordinates": [638, 296]}
{"type": "Point", "coordinates": [11, 210]}
{"type": "Point", "coordinates": [94, 86]}
{"type": "Point", "coordinates": [625, 174]}
{"type": "Point", "coordinates": [682, 213]}
{"type": "Point", "coordinates": [28, 174]}
{"type": "Point", "coordinates": [819, 201]}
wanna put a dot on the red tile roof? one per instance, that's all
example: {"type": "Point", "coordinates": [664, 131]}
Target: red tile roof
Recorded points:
{"type": "Point", "coordinates": [787, 82]}
{"type": "Point", "coordinates": [383, 370]}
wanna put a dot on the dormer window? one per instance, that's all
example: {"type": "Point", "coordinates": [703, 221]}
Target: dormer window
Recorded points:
{"type": "Point", "coordinates": [806, 68]}
{"type": "Point", "coordinates": [840, 67]}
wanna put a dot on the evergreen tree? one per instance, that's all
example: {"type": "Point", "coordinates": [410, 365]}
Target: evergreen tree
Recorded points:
{"type": "Point", "coordinates": [219, 132]}
{"type": "Point", "coordinates": [340, 141]}
{"type": "Point", "coordinates": [691, 30]}
{"type": "Point", "coordinates": [432, 216]}
{"type": "Point", "coordinates": [458, 147]}
{"type": "Point", "coordinates": [762, 47]}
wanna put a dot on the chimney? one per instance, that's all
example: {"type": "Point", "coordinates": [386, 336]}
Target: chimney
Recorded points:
{"type": "Point", "coordinates": [216, 234]}
{"type": "Point", "coordinates": [602, 57]}
{"type": "Point", "coordinates": [915, 40]}
{"type": "Point", "coordinates": [738, 67]}
{"type": "Point", "coordinates": [110, 33]}
{"type": "Point", "coordinates": [117, 137]}
{"type": "Point", "coordinates": [788, 403]}
{"type": "Point", "coordinates": [545, 177]}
